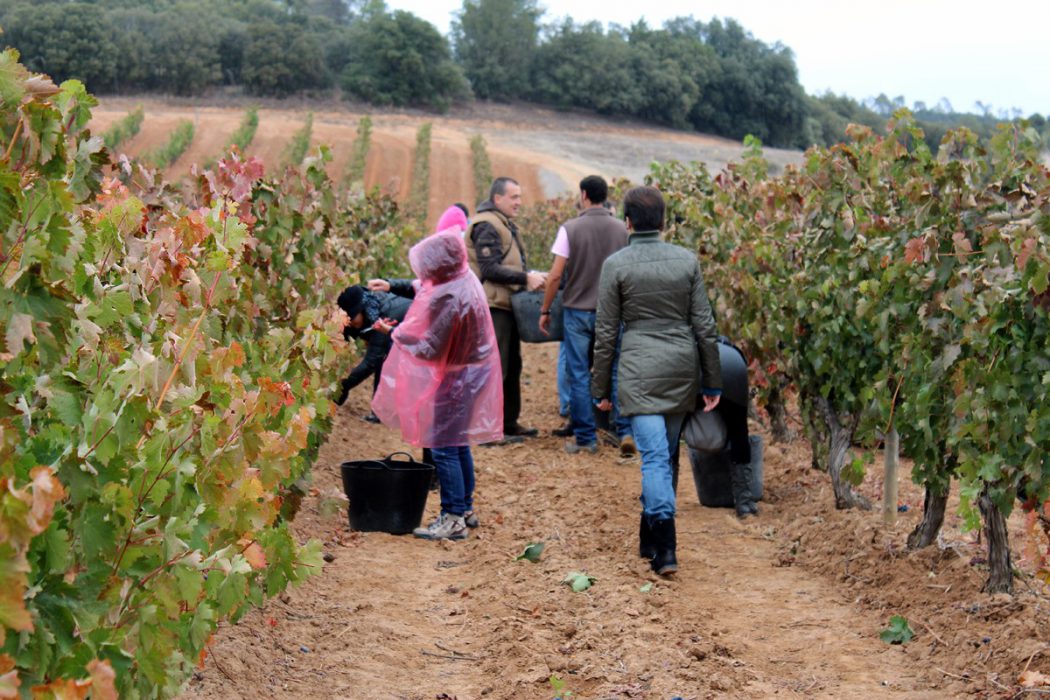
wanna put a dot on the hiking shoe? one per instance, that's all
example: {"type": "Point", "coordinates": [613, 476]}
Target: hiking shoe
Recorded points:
{"type": "Point", "coordinates": [564, 431]}
{"type": "Point", "coordinates": [627, 447]}
{"type": "Point", "coordinates": [445, 527]}
{"type": "Point", "coordinates": [470, 518]}
{"type": "Point", "coordinates": [573, 448]}
{"type": "Point", "coordinates": [519, 430]}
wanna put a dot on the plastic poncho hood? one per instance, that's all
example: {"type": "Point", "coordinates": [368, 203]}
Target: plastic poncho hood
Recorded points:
{"type": "Point", "coordinates": [441, 383]}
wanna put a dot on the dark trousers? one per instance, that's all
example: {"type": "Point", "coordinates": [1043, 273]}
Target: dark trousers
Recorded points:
{"type": "Point", "coordinates": [509, 343]}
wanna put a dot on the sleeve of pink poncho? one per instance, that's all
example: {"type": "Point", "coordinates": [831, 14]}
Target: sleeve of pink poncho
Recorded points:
{"type": "Point", "coordinates": [441, 383]}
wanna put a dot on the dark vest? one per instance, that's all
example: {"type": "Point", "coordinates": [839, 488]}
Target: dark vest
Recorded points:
{"type": "Point", "coordinates": [594, 235]}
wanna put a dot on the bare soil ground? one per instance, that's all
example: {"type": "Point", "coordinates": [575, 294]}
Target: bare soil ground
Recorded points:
{"type": "Point", "coordinates": [789, 604]}
{"type": "Point", "coordinates": [547, 151]}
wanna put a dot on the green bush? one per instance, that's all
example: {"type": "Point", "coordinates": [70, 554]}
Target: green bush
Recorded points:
{"type": "Point", "coordinates": [180, 140]}
{"type": "Point", "coordinates": [300, 142]}
{"type": "Point", "coordinates": [355, 169]}
{"type": "Point", "coordinates": [124, 130]}
{"type": "Point", "coordinates": [419, 195]}
{"type": "Point", "coordinates": [482, 168]}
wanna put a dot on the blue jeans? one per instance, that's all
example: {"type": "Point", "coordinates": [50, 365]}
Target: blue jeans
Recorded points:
{"type": "Point", "coordinates": [455, 471]}
{"type": "Point", "coordinates": [578, 340]}
{"type": "Point", "coordinates": [563, 383]}
{"type": "Point", "coordinates": [655, 436]}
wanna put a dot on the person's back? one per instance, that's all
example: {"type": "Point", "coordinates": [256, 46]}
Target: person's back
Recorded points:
{"type": "Point", "coordinates": [656, 283]}
{"type": "Point", "coordinates": [655, 292]}
{"type": "Point", "coordinates": [592, 237]}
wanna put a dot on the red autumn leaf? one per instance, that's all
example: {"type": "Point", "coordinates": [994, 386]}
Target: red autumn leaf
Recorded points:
{"type": "Point", "coordinates": [1027, 248]}
{"type": "Point", "coordinates": [913, 251]}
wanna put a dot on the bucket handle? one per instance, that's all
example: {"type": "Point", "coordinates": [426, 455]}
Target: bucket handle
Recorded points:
{"type": "Point", "coordinates": [390, 457]}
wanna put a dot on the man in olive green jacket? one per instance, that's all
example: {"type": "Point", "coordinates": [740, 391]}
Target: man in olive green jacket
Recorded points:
{"type": "Point", "coordinates": [668, 352]}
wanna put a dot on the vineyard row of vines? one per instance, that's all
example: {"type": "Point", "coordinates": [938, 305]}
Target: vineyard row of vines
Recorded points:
{"type": "Point", "coordinates": [894, 287]}
{"type": "Point", "coordinates": [166, 369]}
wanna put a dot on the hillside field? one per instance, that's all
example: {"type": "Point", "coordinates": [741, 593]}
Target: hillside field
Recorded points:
{"type": "Point", "coordinates": [548, 152]}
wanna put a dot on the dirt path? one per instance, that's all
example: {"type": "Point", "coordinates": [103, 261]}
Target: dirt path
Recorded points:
{"type": "Point", "coordinates": [758, 609]}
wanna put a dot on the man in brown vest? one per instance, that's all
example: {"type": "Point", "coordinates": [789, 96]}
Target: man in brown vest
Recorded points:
{"type": "Point", "coordinates": [580, 249]}
{"type": "Point", "coordinates": [497, 257]}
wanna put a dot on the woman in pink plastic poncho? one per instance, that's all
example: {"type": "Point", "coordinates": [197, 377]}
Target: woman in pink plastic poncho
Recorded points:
{"type": "Point", "coordinates": [442, 384]}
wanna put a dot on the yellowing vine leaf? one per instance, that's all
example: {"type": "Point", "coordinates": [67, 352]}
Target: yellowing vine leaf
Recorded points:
{"type": "Point", "coordinates": [19, 332]}
{"type": "Point", "coordinates": [103, 681]}
{"type": "Point", "coordinates": [9, 682]}
{"type": "Point", "coordinates": [45, 492]}
{"type": "Point", "coordinates": [254, 554]}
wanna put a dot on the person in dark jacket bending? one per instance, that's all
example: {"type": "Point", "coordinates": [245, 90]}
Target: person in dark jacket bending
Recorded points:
{"type": "Point", "coordinates": [364, 309]}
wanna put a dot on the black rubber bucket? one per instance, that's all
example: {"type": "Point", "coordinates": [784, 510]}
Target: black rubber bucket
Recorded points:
{"type": "Point", "coordinates": [387, 495]}
{"type": "Point", "coordinates": [526, 306]}
{"type": "Point", "coordinates": [712, 478]}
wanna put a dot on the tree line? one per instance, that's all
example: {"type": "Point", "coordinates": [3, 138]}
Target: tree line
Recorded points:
{"type": "Point", "coordinates": [713, 77]}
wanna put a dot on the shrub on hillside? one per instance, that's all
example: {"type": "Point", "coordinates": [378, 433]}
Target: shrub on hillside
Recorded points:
{"type": "Point", "coordinates": [399, 59]}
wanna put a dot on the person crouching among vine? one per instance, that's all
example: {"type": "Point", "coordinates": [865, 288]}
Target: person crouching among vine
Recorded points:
{"type": "Point", "coordinates": [442, 381]}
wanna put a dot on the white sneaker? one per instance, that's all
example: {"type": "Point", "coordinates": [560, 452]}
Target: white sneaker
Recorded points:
{"type": "Point", "coordinates": [445, 527]}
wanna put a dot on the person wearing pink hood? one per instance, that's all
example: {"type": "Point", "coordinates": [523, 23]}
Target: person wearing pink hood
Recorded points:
{"type": "Point", "coordinates": [442, 382]}
{"type": "Point", "coordinates": [453, 219]}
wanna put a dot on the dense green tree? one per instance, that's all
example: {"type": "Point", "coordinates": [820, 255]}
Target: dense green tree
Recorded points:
{"type": "Point", "coordinates": [71, 40]}
{"type": "Point", "coordinates": [177, 69]}
{"type": "Point", "coordinates": [299, 66]}
{"type": "Point", "coordinates": [399, 59]}
{"type": "Point", "coordinates": [495, 42]}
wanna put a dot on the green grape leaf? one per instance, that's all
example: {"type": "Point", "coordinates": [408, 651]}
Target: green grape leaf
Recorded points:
{"type": "Point", "coordinates": [532, 552]}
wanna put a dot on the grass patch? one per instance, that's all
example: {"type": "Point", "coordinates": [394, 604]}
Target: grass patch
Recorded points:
{"type": "Point", "coordinates": [419, 195]}
{"type": "Point", "coordinates": [300, 143]}
{"type": "Point", "coordinates": [180, 140]}
{"type": "Point", "coordinates": [355, 169]}
{"type": "Point", "coordinates": [124, 130]}
{"type": "Point", "coordinates": [482, 168]}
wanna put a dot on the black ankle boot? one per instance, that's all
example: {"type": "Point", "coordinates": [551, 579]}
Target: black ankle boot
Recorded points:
{"type": "Point", "coordinates": [664, 535]}
{"type": "Point", "coordinates": [743, 500]}
{"type": "Point", "coordinates": [646, 545]}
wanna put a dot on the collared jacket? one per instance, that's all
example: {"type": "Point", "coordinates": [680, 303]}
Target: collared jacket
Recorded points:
{"type": "Point", "coordinates": [378, 344]}
{"type": "Point", "coordinates": [496, 255]}
{"type": "Point", "coordinates": [656, 291]}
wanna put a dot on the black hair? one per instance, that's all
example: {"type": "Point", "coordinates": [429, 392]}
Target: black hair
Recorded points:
{"type": "Point", "coordinates": [644, 206]}
{"type": "Point", "coordinates": [463, 208]}
{"type": "Point", "coordinates": [596, 188]}
{"type": "Point", "coordinates": [499, 186]}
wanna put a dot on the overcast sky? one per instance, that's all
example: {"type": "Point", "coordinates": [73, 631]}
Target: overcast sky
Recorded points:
{"type": "Point", "coordinates": [998, 53]}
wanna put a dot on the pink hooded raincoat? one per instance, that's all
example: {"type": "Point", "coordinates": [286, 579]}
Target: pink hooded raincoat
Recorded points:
{"type": "Point", "coordinates": [442, 383]}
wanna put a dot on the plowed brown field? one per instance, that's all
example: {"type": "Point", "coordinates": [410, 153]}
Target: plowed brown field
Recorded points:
{"type": "Point", "coordinates": [547, 152]}
{"type": "Point", "coordinates": [789, 604]}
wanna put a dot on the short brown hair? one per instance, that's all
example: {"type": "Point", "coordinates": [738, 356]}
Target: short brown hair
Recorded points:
{"type": "Point", "coordinates": [644, 206]}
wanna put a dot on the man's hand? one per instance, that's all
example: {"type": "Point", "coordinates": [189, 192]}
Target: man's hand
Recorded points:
{"type": "Point", "coordinates": [535, 280]}
{"type": "Point", "coordinates": [545, 323]}
{"type": "Point", "coordinates": [384, 325]}
{"type": "Point", "coordinates": [604, 405]}
{"type": "Point", "coordinates": [710, 402]}
{"type": "Point", "coordinates": [378, 286]}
